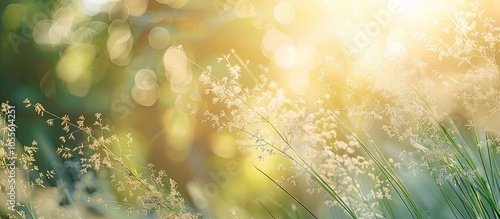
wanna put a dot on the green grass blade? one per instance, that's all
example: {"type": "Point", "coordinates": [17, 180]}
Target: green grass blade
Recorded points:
{"type": "Point", "coordinates": [269, 212]}
{"type": "Point", "coordinates": [288, 193]}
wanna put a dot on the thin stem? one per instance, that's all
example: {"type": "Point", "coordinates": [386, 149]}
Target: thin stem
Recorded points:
{"type": "Point", "coordinates": [267, 210]}
{"type": "Point", "coordinates": [281, 187]}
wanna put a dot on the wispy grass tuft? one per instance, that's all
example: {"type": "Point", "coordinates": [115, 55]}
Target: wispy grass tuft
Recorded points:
{"type": "Point", "coordinates": [134, 191]}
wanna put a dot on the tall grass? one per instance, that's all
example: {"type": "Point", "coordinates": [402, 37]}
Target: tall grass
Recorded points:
{"type": "Point", "coordinates": [351, 167]}
{"type": "Point", "coordinates": [129, 190]}
{"type": "Point", "coordinates": [339, 136]}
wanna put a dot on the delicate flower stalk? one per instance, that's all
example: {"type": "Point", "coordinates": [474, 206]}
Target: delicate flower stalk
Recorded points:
{"type": "Point", "coordinates": [143, 194]}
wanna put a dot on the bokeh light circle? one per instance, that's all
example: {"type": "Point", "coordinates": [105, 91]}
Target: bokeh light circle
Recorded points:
{"type": "Point", "coordinates": [285, 56]}
{"type": "Point", "coordinates": [284, 13]}
{"type": "Point", "coordinates": [145, 79]}
{"type": "Point", "coordinates": [159, 37]}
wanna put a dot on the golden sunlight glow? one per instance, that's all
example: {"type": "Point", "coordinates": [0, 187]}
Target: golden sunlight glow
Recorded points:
{"type": "Point", "coordinates": [409, 5]}
{"type": "Point", "coordinates": [285, 56]}
{"type": "Point", "coordinates": [396, 51]}
{"type": "Point", "coordinates": [175, 63]}
{"type": "Point", "coordinates": [299, 80]}
{"type": "Point", "coordinates": [176, 69]}
{"type": "Point", "coordinates": [272, 39]}
{"type": "Point", "coordinates": [223, 145]}
{"type": "Point", "coordinates": [307, 47]}
{"type": "Point", "coordinates": [181, 126]}
{"type": "Point", "coordinates": [234, 97]}
{"type": "Point", "coordinates": [244, 9]}
{"type": "Point", "coordinates": [284, 12]}
{"type": "Point", "coordinates": [179, 136]}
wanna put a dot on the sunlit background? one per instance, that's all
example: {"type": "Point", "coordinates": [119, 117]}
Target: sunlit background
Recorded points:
{"type": "Point", "coordinates": [137, 62]}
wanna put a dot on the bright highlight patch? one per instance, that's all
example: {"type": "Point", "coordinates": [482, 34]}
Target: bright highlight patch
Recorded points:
{"type": "Point", "coordinates": [159, 38]}
{"type": "Point", "coordinates": [146, 97]}
{"type": "Point", "coordinates": [180, 134]}
{"type": "Point", "coordinates": [244, 9]}
{"type": "Point", "coordinates": [120, 43]}
{"type": "Point", "coordinates": [284, 13]}
{"type": "Point", "coordinates": [91, 7]}
{"type": "Point", "coordinates": [145, 79]}
{"type": "Point", "coordinates": [76, 61]}
{"type": "Point", "coordinates": [41, 33]}
{"type": "Point", "coordinates": [285, 56]}
{"type": "Point", "coordinates": [273, 38]}
{"type": "Point", "coordinates": [299, 81]}
{"type": "Point", "coordinates": [137, 7]}
{"type": "Point", "coordinates": [396, 51]}
{"type": "Point", "coordinates": [223, 145]}
{"type": "Point", "coordinates": [175, 63]}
